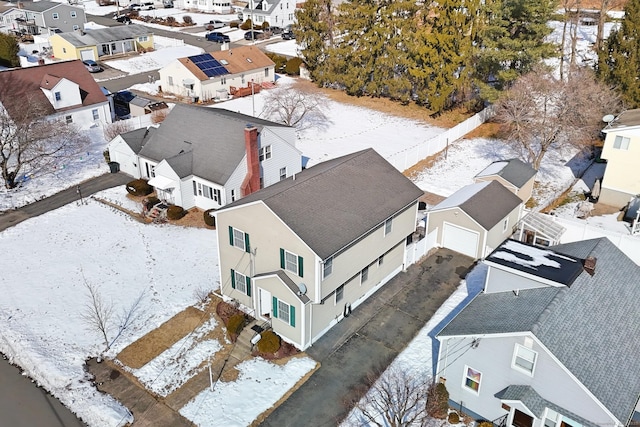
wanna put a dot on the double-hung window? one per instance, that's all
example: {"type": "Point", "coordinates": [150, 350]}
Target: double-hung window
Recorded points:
{"type": "Point", "coordinates": [291, 262]}
{"type": "Point", "coordinates": [621, 143]}
{"type": "Point", "coordinates": [239, 239]}
{"type": "Point", "coordinates": [327, 267]}
{"type": "Point", "coordinates": [265, 153]}
{"type": "Point", "coordinates": [57, 95]}
{"type": "Point", "coordinates": [387, 226]}
{"type": "Point", "coordinates": [283, 311]}
{"type": "Point", "coordinates": [364, 275]}
{"type": "Point", "coordinates": [524, 359]}
{"type": "Point", "coordinates": [471, 380]}
{"type": "Point", "coordinates": [95, 114]}
{"type": "Point", "coordinates": [283, 173]}
{"type": "Point", "coordinates": [339, 293]}
{"type": "Point", "coordinates": [241, 283]}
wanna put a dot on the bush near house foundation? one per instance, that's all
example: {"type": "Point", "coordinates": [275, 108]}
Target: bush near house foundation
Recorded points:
{"type": "Point", "coordinates": [269, 343]}
{"type": "Point", "coordinates": [438, 401]}
{"type": "Point", "coordinates": [209, 219]}
{"type": "Point", "coordinates": [175, 212]}
{"type": "Point", "coordinates": [139, 187]}
{"type": "Point", "coordinates": [236, 323]}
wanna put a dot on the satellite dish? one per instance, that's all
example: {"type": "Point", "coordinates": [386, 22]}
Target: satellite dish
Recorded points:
{"type": "Point", "coordinates": [608, 118]}
{"type": "Point", "coordinates": [302, 289]}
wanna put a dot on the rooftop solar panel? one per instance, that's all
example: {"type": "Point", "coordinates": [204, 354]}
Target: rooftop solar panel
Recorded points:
{"type": "Point", "coordinates": [209, 65]}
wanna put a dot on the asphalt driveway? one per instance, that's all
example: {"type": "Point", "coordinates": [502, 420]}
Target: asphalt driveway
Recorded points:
{"type": "Point", "coordinates": [368, 340]}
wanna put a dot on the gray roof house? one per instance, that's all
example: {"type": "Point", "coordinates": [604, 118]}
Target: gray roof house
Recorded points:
{"type": "Point", "coordinates": [42, 17]}
{"type": "Point", "coordinates": [516, 175]}
{"type": "Point", "coordinates": [552, 339]}
{"type": "Point", "coordinates": [475, 219]}
{"type": "Point", "coordinates": [277, 13]}
{"type": "Point", "coordinates": [208, 157]}
{"type": "Point", "coordinates": [302, 253]}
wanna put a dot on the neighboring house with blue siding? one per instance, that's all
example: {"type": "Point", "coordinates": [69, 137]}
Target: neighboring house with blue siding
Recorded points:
{"type": "Point", "coordinates": [208, 157]}
{"type": "Point", "coordinates": [302, 253]}
{"type": "Point", "coordinates": [551, 341]}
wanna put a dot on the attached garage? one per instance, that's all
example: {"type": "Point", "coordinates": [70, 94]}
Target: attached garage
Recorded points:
{"type": "Point", "coordinates": [460, 239]}
{"type": "Point", "coordinates": [87, 54]}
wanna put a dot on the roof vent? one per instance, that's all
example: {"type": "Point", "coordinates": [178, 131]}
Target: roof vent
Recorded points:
{"type": "Point", "coordinates": [590, 265]}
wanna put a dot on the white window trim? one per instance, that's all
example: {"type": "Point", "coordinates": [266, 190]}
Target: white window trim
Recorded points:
{"type": "Point", "coordinates": [240, 283]}
{"type": "Point", "coordinates": [286, 264]}
{"type": "Point", "coordinates": [288, 320]}
{"type": "Point", "coordinates": [520, 368]}
{"type": "Point", "coordinates": [243, 240]}
{"type": "Point", "coordinates": [464, 380]}
{"type": "Point", "coordinates": [336, 300]}
{"type": "Point", "coordinates": [388, 226]}
{"type": "Point", "coordinates": [55, 15]}
{"type": "Point", "coordinates": [362, 273]}
{"type": "Point", "coordinates": [328, 262]}
{"type": "Point", "coordinates": [622, 142]}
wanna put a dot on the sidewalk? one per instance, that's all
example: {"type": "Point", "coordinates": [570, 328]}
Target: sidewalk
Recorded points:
{"type": "Point", "coordinates": [58, 200]}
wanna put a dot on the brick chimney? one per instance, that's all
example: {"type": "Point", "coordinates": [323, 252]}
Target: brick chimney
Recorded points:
{"type": "Point", "coordinates": [251, 182]}
{"type": "Point", "coordinates": [590, 265]}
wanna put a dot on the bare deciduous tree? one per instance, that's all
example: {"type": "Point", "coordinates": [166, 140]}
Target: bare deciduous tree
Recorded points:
{"type": "Point", "coordinates": [99, 315]}
{"type": "Point", "coordinates": [111, 130]}
{"type": "Point", "coordinates": [294, 107]}
{"type": "Point", "coordinates": [605, 7]}
{"type": "Point", "coordinates": [31, 142]}
{"type": "Point", "coordinates": [394, 399]}
{"type": "Point", "coordinates": [541, 112]}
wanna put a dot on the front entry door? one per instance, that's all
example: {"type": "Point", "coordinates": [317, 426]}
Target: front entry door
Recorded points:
{"type": "Point", "coordinates": [265, 304]}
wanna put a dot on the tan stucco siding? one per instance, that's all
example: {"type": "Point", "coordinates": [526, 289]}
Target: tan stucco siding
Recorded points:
{"type": "Point", "coordinates": [267, 234]}
{"type": "Point", "coordinates": [620, 175]}
{"type": "Point", "coordinates": [369, 249]}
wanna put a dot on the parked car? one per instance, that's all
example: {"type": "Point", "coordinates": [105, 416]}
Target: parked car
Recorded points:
{"type": "Point", "coordinates": [218, 37]}
{"type": "Point", "coordinates": [253, 35]}
{"type": "Point", "coordinates": [275, 30]}
{"type": "Point", "coordinates": [148, 6]}
{"type": "Point", "coordinates": [168, 4]}
{"type": "Point", "coordinates": [123, 19]}
{"type": "Point", "coordinates": [215, 25]}
{"type": "Point", "coordinates": [288, 35]}
{"type": "Point", "coordinates": [92, 66]}
{"type": "Point", "coordinates": [135, 6]}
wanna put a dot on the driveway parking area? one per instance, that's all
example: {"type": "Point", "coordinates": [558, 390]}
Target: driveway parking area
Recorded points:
{"type": "Point", "coordinates": [368, 340]}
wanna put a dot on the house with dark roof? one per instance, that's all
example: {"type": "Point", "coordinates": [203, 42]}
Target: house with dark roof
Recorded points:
{"type": "Point", "coordinates": [551, 341]}
{"type": "Point", "coordinates": [101, 42]}
{"type": "Point", "coordinates": [42, 17]}
{"type": "Point", "coordinates": [475, 219]}
{"type": "Point", "coordinates": [621, 150]}
{"type": "Point", "coordinates": [516, 176]}
{"type": "Point", "coordinates": [211, 75]}
{"type": "Point", "coordinates": [277, 13]}
{"type": "Point", "coordinates": [302, 253]}
{"type": "Point", "coordinates": [66, 91]}
{"type": "Point", "coordinates": [208, 157]}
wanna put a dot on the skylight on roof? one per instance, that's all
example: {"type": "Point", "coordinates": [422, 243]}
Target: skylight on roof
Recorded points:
{"type": "Point", "coordinates": [224, 62]}
{"type": "Point", "coordinates": [249, 60]}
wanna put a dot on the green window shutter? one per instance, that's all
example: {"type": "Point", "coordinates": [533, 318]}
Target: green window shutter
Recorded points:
{"type": "Point", "coordinates": [231, 235]}
{"type": "Point", "coordinates": [233, 279]}
{"type": "Point", "coordinates": [282, 258]}
{"type": "Point", "coordinates": [275, 307]}
{"type": "Point", "coordinates": [292, 316]}
{"type": "Point", "coordinates": [300, 266]}
{"type": "Point", "coordinates": [246, 242]}
{"type": "Point", "coordinates": [248, 286]}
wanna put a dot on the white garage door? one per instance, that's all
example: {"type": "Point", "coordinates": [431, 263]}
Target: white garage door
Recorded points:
{"type": "Point", "coordinates": [87, 54]}
{"type": "Point", "coordinates": [460, 240]}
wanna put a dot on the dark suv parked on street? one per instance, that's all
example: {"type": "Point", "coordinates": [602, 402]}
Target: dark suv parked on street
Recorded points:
{"type": "Point", "coordinates": [218, 37]}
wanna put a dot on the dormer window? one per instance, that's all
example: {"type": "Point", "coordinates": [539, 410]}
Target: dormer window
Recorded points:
{"type": "Point", "coordinates": [57, 95]}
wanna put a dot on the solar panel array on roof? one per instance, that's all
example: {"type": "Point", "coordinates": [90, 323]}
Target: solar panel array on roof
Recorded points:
{"type": "Point", "coordinates": [209, 65]}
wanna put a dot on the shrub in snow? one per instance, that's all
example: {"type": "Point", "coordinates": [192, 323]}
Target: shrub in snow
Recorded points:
{"type": "Point", "coordinates": [246, 25]}
{"type": "Point", "coordinates": [233, 24]}
{"type": "Point", "coordinates": [269, 343]}
{"type": "Point", "coordinates": [453, 418]}
{"type": "Point", "coordinates": [139, 187]}
{"type": "Point", "coordinates": [438, 401]}
{"type": "Point", "coordinates": [171, 20]}
{"type": "Point", "coordinates": [293, 66]}
{"type": "Point", "coordinates": [209, 219]}
{"type": "Point", "coordinates": [235, 325]}
{"type": "Point", "coordinates": [150, 202]}
{"type": "Point", "coordinates": [187, 19]}
{"type": "Point", "coordinates": [175, 212]}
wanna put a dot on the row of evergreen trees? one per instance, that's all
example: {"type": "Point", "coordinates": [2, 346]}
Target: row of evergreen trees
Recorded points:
{"type": "Point", "coordinates": [444, 53]}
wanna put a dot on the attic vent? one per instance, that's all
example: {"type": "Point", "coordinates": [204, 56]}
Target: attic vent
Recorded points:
{"type": "Point", "coordinates": [249, 60]}
{"type": "Point", "coordinates": [590, 265]}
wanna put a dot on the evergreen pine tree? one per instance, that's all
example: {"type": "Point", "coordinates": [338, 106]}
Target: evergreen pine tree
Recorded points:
{"type": "Point", "coordinates": [9, 49]}
{"type": "Point", "coordinates": [315, 34]}
{"type": "Point", "coordinates": [619, 61]}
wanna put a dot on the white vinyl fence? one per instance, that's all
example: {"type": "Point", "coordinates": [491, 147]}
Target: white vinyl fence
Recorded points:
{"type": "Point", "coordinates": [408, 157]}
{"type": "Point", "coordinates": [416, 250]}
{"type": "Point", "coordinates": [139, 122]}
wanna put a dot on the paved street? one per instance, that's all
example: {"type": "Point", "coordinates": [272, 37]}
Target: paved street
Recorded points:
{"type": "Point", "coordinates": [369, 339]}
{"type": "Point", "coordinates": [10, 218]}
{"type": "Point", "coordinates": [23, 404]}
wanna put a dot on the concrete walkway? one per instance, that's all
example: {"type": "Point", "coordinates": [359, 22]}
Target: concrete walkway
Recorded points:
{"type": "Point", "coordinates": [12, 217]}
{"type": "Point", "coordinates": [369, 340]}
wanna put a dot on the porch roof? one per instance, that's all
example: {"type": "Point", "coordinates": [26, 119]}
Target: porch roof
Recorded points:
{"type": "Point", "coordinates": [161, 182]}
{"type": "Point", "coordinates": [544, 224]}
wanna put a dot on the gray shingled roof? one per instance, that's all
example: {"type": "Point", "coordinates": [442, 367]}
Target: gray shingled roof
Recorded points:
{"type": "Point", "coordinates": [39, 6]}
{"type": "Point", "coordinates": [487, 203]}
{"type": "Point", "coordinates": [591, 327]}
{"type": "Point", "coordinates": [106, 35]}
{"type": "Point", "coordinates": [624, 119]}
{"type": "Point", "coordinates": [336, 202]}
{"type": "Point", "coordinates": [514, 171]}
{"type": "Point", "coordinates": [532, 400]}
{"type": "Point", "coordinates": [288, 282]}
{"type": "Point", "coordinates": [213, 136]}
{"type": "Point", "coordinates": [135, 139]}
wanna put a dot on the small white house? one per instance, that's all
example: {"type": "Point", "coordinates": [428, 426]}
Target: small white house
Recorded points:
{"type": "Point", "coordinates": [277, 13]}
{"type": "Point", "coordinates": [213, 75]}
{"type": "Point", "coordinates": [208, 157]}
{"type": "Point", "coordinates": [66, 90]}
